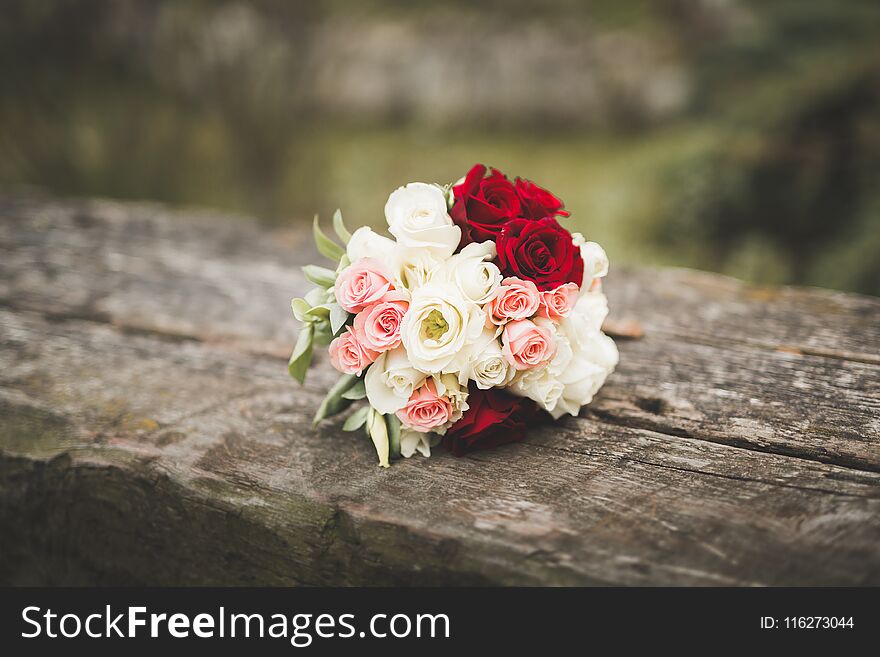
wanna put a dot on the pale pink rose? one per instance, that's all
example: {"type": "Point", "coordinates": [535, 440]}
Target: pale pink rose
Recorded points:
{"type": "Point", "coordinates": [377, 326]}
{"type": "Point", "coordinates": [556, 304]}
{"type": "Point", "coordinates": [348, 355]}
{"type": "Point", "coordinates": [513, 299]}
{"type": "Point", "coordinates": [426, 410]}
{"type": "Point", "coordinates": [363, 282]}
{"type": "Point", "coordinates": [526, 345]}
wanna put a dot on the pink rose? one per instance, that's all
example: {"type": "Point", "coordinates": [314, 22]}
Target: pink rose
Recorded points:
{"type": "Point", "coordinates": [556, 304]}
{"type": "Point", "coordinates": [348, 355]}
{"type": "Point", "coordinates": [514, 299]}
{"type": "Point", "coordinates": [526, 345]}
{"type": "Point", "coordinates": [425, 410]}
{"type": "Point", "coordinates": [377, 326]}
{"type": "Point", "coordinates": [364, 282]}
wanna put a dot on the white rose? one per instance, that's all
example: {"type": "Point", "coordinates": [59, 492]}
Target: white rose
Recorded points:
{"type": "Point", "coordinates": [540, 385]}
{"type": "Point", "coordinates": [592, 308]}
{"type": "Point", "coordinates": [472, 274]}
{"type": "Point", "coordinates": [416, 441]}
{"type": "Point", "coordinates": [418, 218]}
{"type": "Point", "coordinates": [391, 380]}
{"type": "Point", "coordinates": [564, 353]}
{"type": "Point", "coordinates": [589, 369]}
{"type": "Point", "coordinates": [413, 268]}
{"type": "Point", "coordinates": [438, 326]}
{"type": "Point", "coordinates": [593, 357]}
{"type": "Point", "coordinates": [448, 386]}
{"type": "Point", "coordinates": [485, 364]}
{"type": "Point", "coordinates": [595, 258]}
{"type": "Point", "coordinates": [364, 242]}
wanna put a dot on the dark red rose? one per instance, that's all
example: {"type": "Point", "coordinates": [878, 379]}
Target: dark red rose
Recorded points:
{"type": "Point", "coordinates": [494, 417]}
{"type": "Point", "coordinates": [536, 202]}
{"type": "Point", "coordinates": [483, 204]}
{"type": "Point", "coordinates": [539, 251]}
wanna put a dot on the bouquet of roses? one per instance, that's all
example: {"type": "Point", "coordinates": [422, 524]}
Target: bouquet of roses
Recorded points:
{"type": "Point", "coordinates": [479, 319]}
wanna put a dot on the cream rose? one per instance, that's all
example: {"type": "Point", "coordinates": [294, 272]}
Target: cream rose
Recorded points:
{"type": "Point", "coordinates": [438, 326]}
{"type": "Point", "coordinates": [592, 308]}
{"type": "Point", "coordinates": [390, 381]}
{"type": "Point", "coordinates": [413, 268]}
{"type": "Point", "coordinates": [417, 216]}
{"type": "Point", "coordinates": [366, 243]}
{"type": "Point", "coordinates": [485, 365]}
{"type": "Point", "coordinates": [539, 385]}
{"type": "Point", "coordinates": [593, 355]}
{"type": "Point", "coordinates": [472, 271]}
{"type": "Point", "coordinates": [457, 394]}
{"type": "Point", "coordinates": [595, 262]}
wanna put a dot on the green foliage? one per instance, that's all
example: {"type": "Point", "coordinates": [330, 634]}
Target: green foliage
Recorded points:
{"type": "Point", "coordinates": [326, 247]}
{"type": "Point", "coordinates": [338, 318]}
{"type": "Point", "coordinates": [393, 424]}
{"type": "Point", "coordinates": [334, 402]}
{"type": "Point", "coordinates": [339, 227]}
{"type": "Point", "coordinates": [320, 276]}
{"type": "Point", "coordinates": [356, 420]}
{"type": "Point", "coordinates": [357, 391]}
{"type": "Point", "coordinates": [301, 357]}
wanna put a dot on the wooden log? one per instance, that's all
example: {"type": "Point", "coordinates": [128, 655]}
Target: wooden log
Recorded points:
{"type": "Point", "coordinates": [150, 433]}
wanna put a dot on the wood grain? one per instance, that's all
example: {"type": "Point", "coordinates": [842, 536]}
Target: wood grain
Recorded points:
{"type": "Point", "coordinates": [151, 435]}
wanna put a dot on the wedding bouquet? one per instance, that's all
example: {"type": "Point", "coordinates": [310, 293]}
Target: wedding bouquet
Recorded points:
{"type": "Point", "coordinates": [480, 318]}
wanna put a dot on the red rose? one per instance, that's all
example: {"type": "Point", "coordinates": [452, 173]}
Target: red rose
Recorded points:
{"type": "Point", "coordinates": [539, 251]}
{"type": "Point", "coordinates": [536, 202]}
{"type": "Point", "coordinates": [483, 204]}
{"type": "Point", "coordinates": [494, 417]}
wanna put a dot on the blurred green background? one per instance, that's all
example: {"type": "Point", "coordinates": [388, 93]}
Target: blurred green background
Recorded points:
{"type": "Point", "coordinates": [731, 135]}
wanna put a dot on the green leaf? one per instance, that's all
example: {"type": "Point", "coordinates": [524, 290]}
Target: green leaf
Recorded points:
{"type": "Point", "coordinates": [393, 424]}
{"type": "Point", "coordinates": [320, 275]}
{"type": "Point", "coordinates": [300, 307]}
{"type": "Point", "coordinates": [334, 402]}
{"type": "Point", "coordinates": [327, 247]}
{"type": "Point", "coordinates": [339, 227]}
{"type": "Point", "coordinates": [357, 419]}
{"type": "Point", "coordinates": [301, 357]}
{"type": "Point", "coordinates": [323, 336]}
{"type": "Point", "coordinates": [338, 318]}
{"type": "Point", "coordinates": [357, 391]}
{"type": "Point", "coordinates": [316, 296]}
{"type": "Point", "coordinates": [343, 263]}
{"type": "Point", "coordinates": [377, 430]}
{"type": "Point", "coordinates": [319, 313]}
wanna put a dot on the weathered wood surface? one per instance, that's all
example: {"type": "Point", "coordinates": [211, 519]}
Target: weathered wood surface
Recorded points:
{"type": "Point", "coordinates": [150, 433]}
